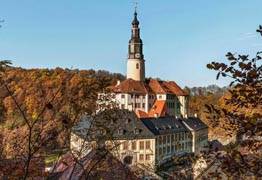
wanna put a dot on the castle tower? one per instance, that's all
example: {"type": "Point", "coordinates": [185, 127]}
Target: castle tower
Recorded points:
{"type": "Point", "coordinates": [135, 62]}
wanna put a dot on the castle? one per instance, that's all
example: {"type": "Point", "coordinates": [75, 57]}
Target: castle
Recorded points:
{"type": "Point", "coordinates": [147, 97]}
{"type": "Point", "coordinates": [155, 126]}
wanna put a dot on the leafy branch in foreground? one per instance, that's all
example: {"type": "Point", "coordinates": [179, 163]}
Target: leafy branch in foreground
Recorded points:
{"type": "Point", "coordinates": [244, 115]}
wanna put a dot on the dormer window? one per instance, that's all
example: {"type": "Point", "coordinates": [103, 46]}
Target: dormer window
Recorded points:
{"type": "Point", "coordinates": [128, 121]}
{"type": "Point", "coordinates": [137, 131]}
{"type": "Point", "coordinates": [102, 132]}
{"type": "Point", "coordinates": [121, 131]}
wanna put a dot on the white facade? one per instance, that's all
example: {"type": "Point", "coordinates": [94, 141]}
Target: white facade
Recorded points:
{"type": "Point", "coordinates": [169, 145]}
{"type": "Point", "coordinates": [142, 151]}
{"type": "Point", "coordinates": [199, 139]}
{"type": "Point", "coordinates": [147, 152]}
{"type": "Point", "coordinates": [132, 102]}
{"type": "Point", "coordinates": [136, 69]}
{"type": "Point", "coordinates": [176, 105]}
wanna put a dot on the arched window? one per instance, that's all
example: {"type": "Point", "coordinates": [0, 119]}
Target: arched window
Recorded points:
{"type": "Point", "coordinates": [137, 66]}
{"type": "Point", "coordinates": [132, 48]}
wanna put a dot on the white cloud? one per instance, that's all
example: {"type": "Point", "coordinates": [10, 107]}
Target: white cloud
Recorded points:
{"type": "Point", "coordinates": [246, 36]}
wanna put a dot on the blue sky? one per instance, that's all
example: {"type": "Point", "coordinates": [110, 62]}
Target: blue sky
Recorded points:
{"type": "Point", "coordinates": [180, 37]}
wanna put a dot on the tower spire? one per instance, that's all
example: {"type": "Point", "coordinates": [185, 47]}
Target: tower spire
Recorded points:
{"type": "Point", "coordinates": [135, 63]}
{"type": "Point", "coordinates": [135, 21]}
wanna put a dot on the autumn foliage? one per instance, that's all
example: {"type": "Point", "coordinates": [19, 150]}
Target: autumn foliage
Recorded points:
{"type": "Point", "coordinates": [73, 92]}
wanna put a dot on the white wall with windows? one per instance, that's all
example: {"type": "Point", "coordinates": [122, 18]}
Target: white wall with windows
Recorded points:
{"type": "Point", "coordinates": [171, 144]}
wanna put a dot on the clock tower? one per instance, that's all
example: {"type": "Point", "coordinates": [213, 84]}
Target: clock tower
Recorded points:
{"type": "Point", "coordinates": [135, 62]}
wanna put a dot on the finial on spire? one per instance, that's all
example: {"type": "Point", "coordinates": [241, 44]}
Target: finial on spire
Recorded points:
{"type": "Point", "coordinates": [135, 21]}
{"type": "Point", "coordinates": [136, 4]}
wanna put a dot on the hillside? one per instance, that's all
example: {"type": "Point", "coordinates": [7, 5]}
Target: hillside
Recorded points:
{"type": "Point", "coordinates": [74, 92]}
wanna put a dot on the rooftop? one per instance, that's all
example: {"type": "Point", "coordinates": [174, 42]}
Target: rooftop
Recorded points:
{"type": "Point", "coordinates": [194, 123]}
{"type": "Point", "coordinates": [117, 124]}
{"type": "Point", "coordinates": [164, 125]}
{"type": "Point", "coordinates": [123, 124]}
{"type": "Point", "coordinates": [150, 86]}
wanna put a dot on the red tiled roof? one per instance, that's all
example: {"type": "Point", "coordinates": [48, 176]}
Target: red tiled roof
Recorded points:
{"type": "Point", "coordinates": [173, 87]}
{"type": "Point", "coordinates": [141, 114]}
{"type": "Point", "coordinates": [131, 86]}
{"type": "Point", "coordinates": [156, 86]}
{"type": "Point", "coordinates": [159, 109]}
{"type": "Point", "coordinates": [149, 86]}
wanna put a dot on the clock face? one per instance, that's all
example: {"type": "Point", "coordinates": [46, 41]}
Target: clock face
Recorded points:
{"type": "Point", "coordinates": [137, 55]}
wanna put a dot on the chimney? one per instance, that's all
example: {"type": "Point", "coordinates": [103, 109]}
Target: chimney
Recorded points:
{"type": "Point", "coordinates": [118, 82]}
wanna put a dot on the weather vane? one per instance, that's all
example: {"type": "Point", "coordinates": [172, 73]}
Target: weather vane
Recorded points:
{"type": "Point", "coordinates": [136, 4]}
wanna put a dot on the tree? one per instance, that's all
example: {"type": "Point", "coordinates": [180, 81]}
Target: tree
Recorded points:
{"type": "Point", "coordinates": [244, 115]}
{"type": "Point", "coordinates": [41, 107]}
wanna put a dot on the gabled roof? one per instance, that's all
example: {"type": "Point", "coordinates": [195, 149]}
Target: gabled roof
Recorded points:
{"type": "Point", "coordinates": [174, 88]}
{"type": "Point", "coordinates": [131, 86]}
{"type": "Point", "coordinates": [194, 123]}
{"type": "Point", "coordinates": [158, 109]}
{"type": "Point", "coordinates": [141, 114]}
{"type": "Point", "coordinates": [153, 86]}
{"type": "Point", "coordinates": [156, 86]}
{"type": "Point", "coordinates": [118, 123]}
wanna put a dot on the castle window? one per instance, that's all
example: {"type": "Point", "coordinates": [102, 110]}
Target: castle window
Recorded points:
{"type": "Point", "coordinates": [125, 145]}
{"type": "Point", "coordinates": [168, 149]}
{"type": "Point", "coordinates": [147, 157]}
{"type": "Point", "coordinates": [137, 131]}
{"type": "Point", "coordinates": [128, 121]}
{"type": "Point", "coordinates": [134, 145]}
{"type": "Point", "coordinates": [137, 105]}
{"type": "Point", "coordinates": [122, 96]}
{"type": "Point", "coordinates": [164, 140]}
{"type": "Point", "coordinates": [147, 144]}
{"type": "Point", "coordinates": [132, 48]}
{"type": "Point", "coordinates": [168, 139]}
{"type": "Point", "coordinates": [141, 157]}
{"type": "Point", "coordinates": [160, 140]}
{"type": "Point", "coordinates": [137, 66]}
{"type": "Point", "coordinates": [120, 131]}
{"type": "Point", "coordinates": [141, 145]}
